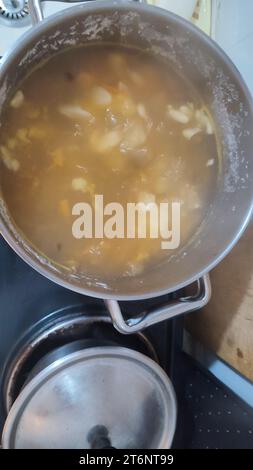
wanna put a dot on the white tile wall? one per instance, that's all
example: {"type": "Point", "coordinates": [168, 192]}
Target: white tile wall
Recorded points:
{"type": "Point", "coordinates": [233, 30]}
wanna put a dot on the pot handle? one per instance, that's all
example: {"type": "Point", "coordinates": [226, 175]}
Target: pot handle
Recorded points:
{"type": "Point", "coordinates": [36, 12]}
{"type": "Point", "coordinates": [170, 310]}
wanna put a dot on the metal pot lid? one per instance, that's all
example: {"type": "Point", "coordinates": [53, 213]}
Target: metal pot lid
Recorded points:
{"type": "Point", "coordinates": [95, 398]}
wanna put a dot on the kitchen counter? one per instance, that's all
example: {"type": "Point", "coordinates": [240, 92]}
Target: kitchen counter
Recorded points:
{"type": "Point", "coordinates": [225, 326]}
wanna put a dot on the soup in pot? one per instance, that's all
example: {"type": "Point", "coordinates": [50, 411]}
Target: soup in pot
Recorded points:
{"type": "Point", "coordinates": [111, 122]}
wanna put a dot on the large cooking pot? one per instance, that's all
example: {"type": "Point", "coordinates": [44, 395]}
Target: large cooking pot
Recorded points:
{"type": "Point", "coordinates": [93, 396]}
{"type": "Point", "coordinates": [220, 85]}
{"type": "Point", "coordinates": [73, 363]}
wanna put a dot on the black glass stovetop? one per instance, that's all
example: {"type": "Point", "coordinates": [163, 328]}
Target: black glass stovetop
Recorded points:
{"type": "Point", "coordinates": [26, 298]}
{"type": "Point", "coordinates": [209, 415]}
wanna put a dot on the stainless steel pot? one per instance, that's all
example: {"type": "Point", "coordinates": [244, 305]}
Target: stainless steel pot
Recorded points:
{"type": "Point", "coordinates": [93, 397]}
{"type": "Point", "coordinates": [207, 67]}
{"type": "Point", "coordinates": [65, 327]}
{"type": "Point", "coordinates": [72, 381]}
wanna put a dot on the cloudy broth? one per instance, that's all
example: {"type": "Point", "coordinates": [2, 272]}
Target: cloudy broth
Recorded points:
{"type": "Point", "coordinates": [104, 121]}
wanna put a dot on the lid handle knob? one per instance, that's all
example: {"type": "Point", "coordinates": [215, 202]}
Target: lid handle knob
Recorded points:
{"type": "Point", "coordinates": [98, 438]}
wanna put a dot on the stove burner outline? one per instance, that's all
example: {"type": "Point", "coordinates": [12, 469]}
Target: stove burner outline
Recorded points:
{"type": "Point", "coordinates": [14, 10]}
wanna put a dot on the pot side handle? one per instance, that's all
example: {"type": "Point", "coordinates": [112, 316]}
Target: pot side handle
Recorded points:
{"type": "Point", "coordinates": [36, 11]}
{"type": "Point", "coordinates": [170, 310]}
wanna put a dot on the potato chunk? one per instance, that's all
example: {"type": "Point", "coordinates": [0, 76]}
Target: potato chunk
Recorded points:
{"type": "Point", "coordinates": [17, 100]}
{"type": "Point", "coordinates": [135, 136]}
{"type": "Point", "coordinates": [101, 96]}
{"type": "Point", "coordinates": [190, 133]}
{"type": "Point", "coordinates": [10, 162]}
{"type": "Point", "coordinates": [76, 112]}
{"type": "Point", "coordinates": [79, 184]}
{"type": "Point", "coordinates": [103, 143]}
{"type": "Point", "coordinates": [179, 115]}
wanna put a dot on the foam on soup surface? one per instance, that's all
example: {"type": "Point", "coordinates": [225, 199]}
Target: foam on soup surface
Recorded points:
{"type": "Point", "coordinates": [105, 121]}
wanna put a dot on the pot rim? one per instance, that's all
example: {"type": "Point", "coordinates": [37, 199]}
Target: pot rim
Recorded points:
{"type": "Point", "coordinates": [52, 369]}
{"type": "Point", "coordinates": [64, 317]}
{"type": "Point", "coordinates": [123, 5]}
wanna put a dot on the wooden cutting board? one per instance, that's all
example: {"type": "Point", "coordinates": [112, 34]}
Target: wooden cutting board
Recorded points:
{"type": "Point", "coordinates": [225, 326]}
